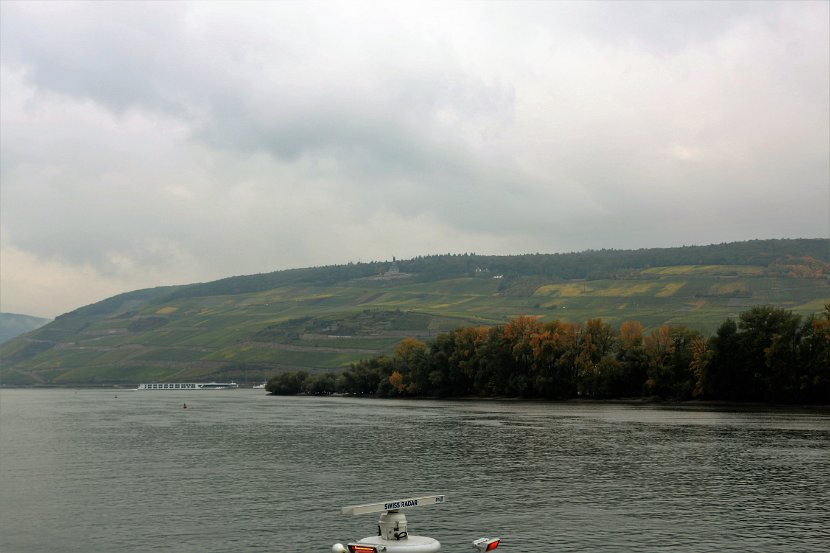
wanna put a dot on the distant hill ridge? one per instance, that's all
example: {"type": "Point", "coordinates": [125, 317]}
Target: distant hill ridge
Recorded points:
{"type": "Point", "coordinates": [590, 264]}
{"type": "Point", "coordinates": [15, 324]}
{"type": "Point", "coordinates": [323, 318]}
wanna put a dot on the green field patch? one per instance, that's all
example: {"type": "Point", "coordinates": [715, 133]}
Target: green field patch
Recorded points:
{"type": "Point", "coordinates": [48, 374]}
{"type": "Point", "coordinates": [733, 289]}
{"type": "Point", "coordinates": [80, 357]}
{"type": "Point", "coordinates": [408, 320]}
{"type": "Point", "coordinates": [111, 340]}
{"type": "Point", "coordinates": [255, 354]}
{"type": "Point", "coordinates": [198, 373]}
{"type": "Point", "coordinates": [450, 287]}
{"type": "Point", "coordinates": [626, 289]}
{"type": "Point", "coordinates": [110, 375]}
{"type": "Point", "coordinates": [570, 290]}
{"type": "Point", "coordinates": [670, 289]}
{"type": "Point", "coordinates": [379, 344]}
{"type": "Point", "coordinates": [604, 289]}
{"type": "Point", "coordinates": [171, 355]}
{"type": "Point", "coordinates": [706, 270]}
{"type": "Point", "coordinates": [56, 334]}
{"type": "Point", "coordinates": [113, 326]}
{"type": "Point", "coordinates": [23, 349]}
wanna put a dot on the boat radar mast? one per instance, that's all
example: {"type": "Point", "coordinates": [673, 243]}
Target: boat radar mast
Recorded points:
{"type": "Point", "coordinates": [393, 536]}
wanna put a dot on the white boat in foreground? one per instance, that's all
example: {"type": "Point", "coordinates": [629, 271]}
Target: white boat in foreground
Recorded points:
{"type": "Point", "coordinates": [188, 386]}
{"type": "Point", "coordinates": [392, 534]}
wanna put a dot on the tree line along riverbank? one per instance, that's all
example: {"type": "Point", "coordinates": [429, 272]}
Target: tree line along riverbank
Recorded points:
{"type": "Point", "coordinates": [768, 354]}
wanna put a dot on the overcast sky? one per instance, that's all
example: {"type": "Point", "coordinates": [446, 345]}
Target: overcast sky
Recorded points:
{"type": "Point", "coordinates": [147, 144]}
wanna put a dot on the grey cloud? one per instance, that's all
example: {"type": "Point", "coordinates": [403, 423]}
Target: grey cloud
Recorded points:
{"type": "Point", "coordinates": [131, 130]}
{"type": "Point", "coordinates": [117, 57]}
{"type": "Point", "coordinates": [139, 58]}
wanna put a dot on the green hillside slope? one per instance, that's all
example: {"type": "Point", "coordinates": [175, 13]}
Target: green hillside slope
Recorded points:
{"type": "Point", "coordinates": [318, 319]}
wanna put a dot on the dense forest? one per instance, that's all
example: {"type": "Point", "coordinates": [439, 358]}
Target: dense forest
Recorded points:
{"type": "Point", "coordinates": [768, 355]}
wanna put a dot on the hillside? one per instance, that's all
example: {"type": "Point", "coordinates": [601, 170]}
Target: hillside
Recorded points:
{"type": "Point", "coordinates": [13, 324]}
{"type": "Point", "coordinates": [319, 319]}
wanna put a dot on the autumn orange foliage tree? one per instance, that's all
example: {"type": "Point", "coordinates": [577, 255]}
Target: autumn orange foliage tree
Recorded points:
{"type": "Point", "coordinates": [770, 354]}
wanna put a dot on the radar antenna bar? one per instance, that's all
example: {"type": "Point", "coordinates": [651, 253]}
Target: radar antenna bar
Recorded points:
{"type": "Point", "coordinates": [393, 505]}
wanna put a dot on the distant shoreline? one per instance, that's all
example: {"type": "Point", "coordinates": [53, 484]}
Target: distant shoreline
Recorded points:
{"type": "Point", "coordinates": [644, 401]}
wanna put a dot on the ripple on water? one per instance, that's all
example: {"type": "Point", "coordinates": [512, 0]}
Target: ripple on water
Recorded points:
{"type": "Point", "coordinates": [240, 471]}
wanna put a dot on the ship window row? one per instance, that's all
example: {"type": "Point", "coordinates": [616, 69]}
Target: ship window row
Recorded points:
{"type": "Point", "coordinates": [171, 386]}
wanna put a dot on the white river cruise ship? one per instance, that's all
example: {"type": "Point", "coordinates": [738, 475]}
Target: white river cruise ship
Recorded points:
{"type": "Point", "coordinates": [188, 386]}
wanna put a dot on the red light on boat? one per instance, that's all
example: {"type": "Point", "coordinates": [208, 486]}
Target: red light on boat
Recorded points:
{"type": "Point", "coordinates": [362, 548]}
{"type": "Point", "coordinates": [486, 544]}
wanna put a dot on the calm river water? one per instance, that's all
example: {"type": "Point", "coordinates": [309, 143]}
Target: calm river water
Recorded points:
{"type": "Point", "coordinates": [241, 471]}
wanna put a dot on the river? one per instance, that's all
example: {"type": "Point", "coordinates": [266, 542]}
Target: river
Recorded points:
{"type": "Point", "coordinates": [241, 471]}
